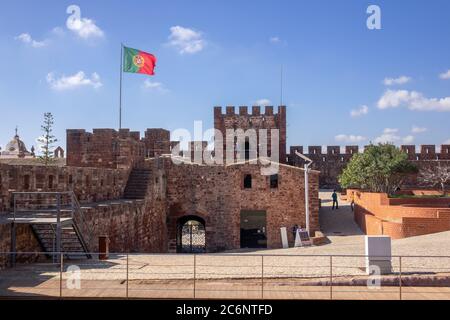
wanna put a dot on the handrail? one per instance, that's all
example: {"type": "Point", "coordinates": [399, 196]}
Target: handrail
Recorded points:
{"type": "Point", "coordinates": [52, 205]}
{"type": "Point", "coordinates": [77, 214]}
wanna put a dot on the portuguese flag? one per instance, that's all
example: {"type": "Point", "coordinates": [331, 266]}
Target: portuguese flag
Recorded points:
{"type": "Point", "coordinates": [136, 61]}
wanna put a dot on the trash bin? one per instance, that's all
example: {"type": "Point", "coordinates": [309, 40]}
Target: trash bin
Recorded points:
{"type": "Point", "coordinates": [103, 247]}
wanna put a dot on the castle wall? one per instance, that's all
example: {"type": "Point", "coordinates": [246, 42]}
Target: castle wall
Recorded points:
{"type": "Point", "coordinates": [332, 163]}
{"type": "Point", "coordinates": [104, 148]}
{"type": "Point", "coordinates": [216, 194]}
{"type": "Point", "coordinates": [89, 184]}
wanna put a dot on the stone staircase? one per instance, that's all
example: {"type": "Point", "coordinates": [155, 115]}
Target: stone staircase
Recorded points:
{"type": "Point", "coordinates": [71, 242]}
{"type": "Point", "coordinates": [137, 184]}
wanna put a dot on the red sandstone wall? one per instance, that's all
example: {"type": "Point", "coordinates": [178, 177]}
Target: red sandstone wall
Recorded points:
{"type": "Point", "coordinates": [215, 194]}
{"type": "Point", "coordinates": [255, 120]}
{"type": "Point", "coordinates": [89, 184]}
{"type": "Point", "coordinates": [331, 163]}
{"type": "Point", "coordinates": [105, 148]}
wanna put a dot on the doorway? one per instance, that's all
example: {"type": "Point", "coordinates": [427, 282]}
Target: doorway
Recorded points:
{"type": "Point", "coordinates": [253, 229]}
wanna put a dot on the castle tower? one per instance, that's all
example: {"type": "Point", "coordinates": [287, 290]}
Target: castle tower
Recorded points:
{"type": "Point", "coordinates": [254, 120]}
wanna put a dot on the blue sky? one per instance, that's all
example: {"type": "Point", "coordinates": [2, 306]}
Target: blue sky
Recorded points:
{"type": "Point", "coordinates": [396, 80]}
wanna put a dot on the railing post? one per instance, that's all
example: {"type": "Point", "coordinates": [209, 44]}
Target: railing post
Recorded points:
{"type": "Point", "coordinates": [13, 234]}
{"type": "Point", "coordinates": [58, 223]}
{"type": "Point", "coordinates": [128, 266]}
{"type": "Point", "coordinates": [195, 274]}
{"type": "Point", "coordinates": [400, 278]}
{"type": "Point", "coordinates": [61, 269]}
{"type": "Point", "coordinates": [72, 205]}
{"type": "Point", "coordinates": [331, 277]}
{"type": "Point", "coordinates": [262, 277]}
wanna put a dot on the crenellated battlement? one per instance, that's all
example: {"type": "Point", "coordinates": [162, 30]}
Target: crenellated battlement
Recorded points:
{"type": "Point", "coordinates": [331, 160]}
{"type": "Point", "coordinates": [244, 111]}
{"type": "Point", "coordinates": [107, 148]}
{"type": "Point", "coordinates": [426, 152]}
{"type": "Point", "coordinates": [256, 119]}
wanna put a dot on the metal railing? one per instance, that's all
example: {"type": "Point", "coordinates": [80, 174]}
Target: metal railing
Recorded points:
{"type": "Point", "coordinates": [225, 276]}
{"type": "Point", "coordinates": [52, 208]}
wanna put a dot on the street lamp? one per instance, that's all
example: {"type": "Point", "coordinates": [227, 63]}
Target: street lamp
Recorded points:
{"type": "Point", "coordinates": [308, 162]}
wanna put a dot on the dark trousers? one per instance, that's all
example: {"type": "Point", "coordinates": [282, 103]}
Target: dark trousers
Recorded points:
{"type": "Point", "coordinates": [335, 202]}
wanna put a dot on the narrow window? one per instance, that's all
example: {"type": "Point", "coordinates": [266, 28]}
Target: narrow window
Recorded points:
{"type": "Point", "coordinates": [247, 149]}
{"type": "Point", "coordinates": [274, 181]}
{"type": "Point", "coordinates": [248, 181]}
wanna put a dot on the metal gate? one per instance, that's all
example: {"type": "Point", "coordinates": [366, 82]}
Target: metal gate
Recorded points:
{"type": "Point", "coordinates": [193, 237]}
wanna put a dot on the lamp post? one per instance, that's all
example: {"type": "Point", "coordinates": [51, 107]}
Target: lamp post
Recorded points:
{"type": "Point", "coordinates": [308, 162]}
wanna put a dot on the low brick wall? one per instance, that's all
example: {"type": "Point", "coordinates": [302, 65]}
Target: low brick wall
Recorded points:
{"type": "Point", "coordinates": [376, 214]}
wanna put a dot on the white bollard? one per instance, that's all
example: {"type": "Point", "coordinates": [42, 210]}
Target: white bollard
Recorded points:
{"type": "Point", "coordinates": [379, 254]}
{"type": "Point", "coordinates": [284, 238]}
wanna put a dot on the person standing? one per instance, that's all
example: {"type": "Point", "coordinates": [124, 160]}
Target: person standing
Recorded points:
{"type": "Point", "coordinates": [335, 200]}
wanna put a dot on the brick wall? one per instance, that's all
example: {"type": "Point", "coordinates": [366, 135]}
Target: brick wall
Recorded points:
{"type": "Point", "coordinates": [254, 120]}
{"type": "Point", "coordinates": [376, 214]}
{"type": "Point", "coordinates": [89, 184]}
{"type": "Point", "coordinates": [105, 148]}
{"type": "Point", "coordinates": [216, 194]}
{"type": "Point", "coordinates": [331, 163]}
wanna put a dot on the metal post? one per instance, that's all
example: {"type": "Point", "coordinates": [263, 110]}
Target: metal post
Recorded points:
{"type": "Point", "coordinates": [58, 223]}
{"type": "Point", "coordinates": [331, 277]}
{"type": "Point", "coordinates": [400, 278]}
{"type": "Point", "coordinates": [195, 274]}
{"type": "Point", "coordinates": [262, 277]}
{"type": "Point", "coordinates": [13, 244]}
{"type": "Point", "coordinates": [307, 197]}
{"type": "Point", "coordinates": [72, 205]}
{"type": "Point", "coordinates": [13, 234]}
{"type": "Point", "coordinates": [128, 264]}
{"type": "Point", "coordinates": [61, 269]}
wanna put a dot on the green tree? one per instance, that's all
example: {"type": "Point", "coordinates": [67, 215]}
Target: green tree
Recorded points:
{"type": "Point", "coordinates": [381, 168]}
{"type": "Point", "coordinates": [47, 140]}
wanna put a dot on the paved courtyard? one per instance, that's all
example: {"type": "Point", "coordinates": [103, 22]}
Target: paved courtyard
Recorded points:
{"type": "Point", "coordinates": [283, 273]}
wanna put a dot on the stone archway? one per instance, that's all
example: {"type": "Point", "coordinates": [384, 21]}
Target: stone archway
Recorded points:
{"type": "Point", "coordinates": [191, 234]}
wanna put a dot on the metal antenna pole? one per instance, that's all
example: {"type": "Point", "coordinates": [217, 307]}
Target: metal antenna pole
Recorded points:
{"type": "Point", "coordinates": [281, 86]}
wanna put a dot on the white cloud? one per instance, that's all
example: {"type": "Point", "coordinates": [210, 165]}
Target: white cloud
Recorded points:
{"type": "Point", "coordinates": [85, 28]}
{"type": "Point", "coordinates": [360, 111]}
{"type": "Point", "coordinates": [396, 81]}
{"type": "Point", "coordinates": [445, 75]}
{"type": "Point", "coordinates": [186, 40]}
{"type": "Point", "coordinates": [349, 138]}
{"type": "Point", "coordinates": [58, 31]}
{"type": "Point", "coordinates": [274, 39]}
{"type": "Point", "coordinates": [26, 38]}
{"type": "Point", "coordinates": [416, 129]}
{"type": "Point", "coordinates": [447, 141]}
{"type": "Point", "coordinates": [408, 139]}
{"type": "Point", "coordinates": [79, 79]}
{"type": "Point", "coordinates": [391, 135]}
{"type": "Point", "coordinates": [263, 102]}
{"type": "Point", "coordinates": [158, 86]}
{"type": "Point", "coordinates": [413, 100]}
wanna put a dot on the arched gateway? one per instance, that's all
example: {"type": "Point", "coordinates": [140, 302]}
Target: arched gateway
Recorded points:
{"type": "Point", "coordinates": [191, 236]}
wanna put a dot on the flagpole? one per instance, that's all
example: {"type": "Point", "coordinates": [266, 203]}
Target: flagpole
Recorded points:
{"type": "Point", "coordinates": [120, 93]}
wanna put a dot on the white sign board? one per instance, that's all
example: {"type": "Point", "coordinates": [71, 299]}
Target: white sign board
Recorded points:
{"type": "Point", "coordinates": [302, 238]}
